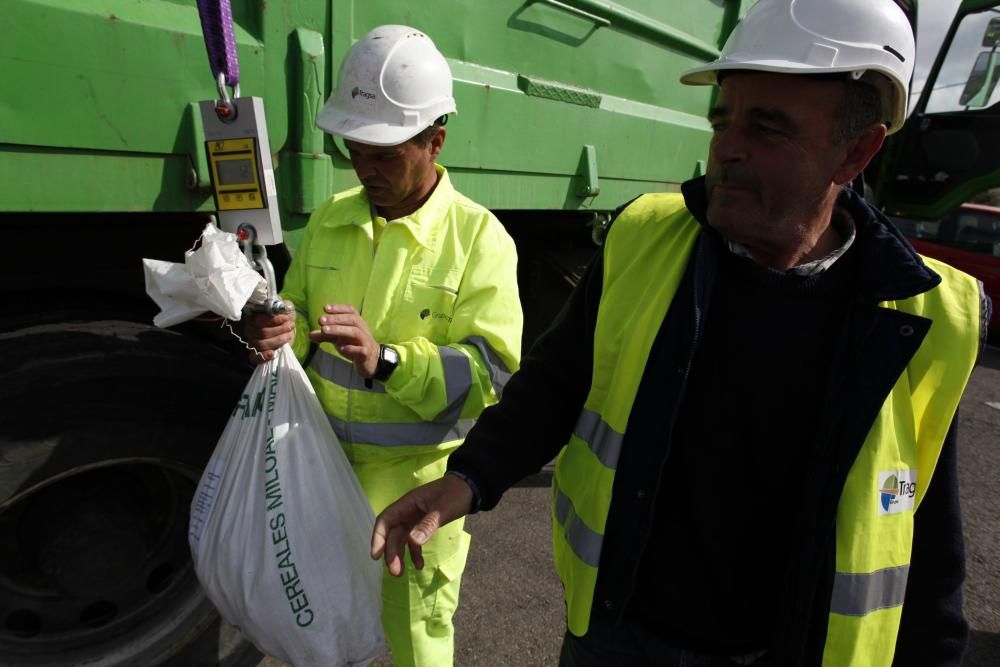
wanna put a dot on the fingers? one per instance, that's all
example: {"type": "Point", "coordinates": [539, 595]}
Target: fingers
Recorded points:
{"type": "Point", "coordinates": [417, 555]}
{"type": "Point", "coordinates": [266, 333]}
{"type": "Point", "coordinates": [339, 315]}
{"type": "Point", "coordinates": [339, 334]}
{"type": "Point", "coordinates": [341, 325]}
{"type": "Point", "coordinates": [423, 531]}
{"type": "Point", "coordinates": [339, 309]}
{"type": "Point", "coordinates": [350, 350]}
{"type": "Point", "coordinates": [263, 320]}
{"type": "Point", "coordinates": [390, 537]}
{"type": "Point", "coordinates": [282, 331]}
{"type": "Point", "coordinates": [257, 358]}
{"type": "Point", "coordinates": [395, 551]}
{"type": "Point", "coordinates": [345, 329]}
{"type": "Point", "coordinates": [379, 537]}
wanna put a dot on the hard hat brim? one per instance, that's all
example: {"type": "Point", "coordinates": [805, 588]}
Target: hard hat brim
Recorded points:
{"type": "Point", "coordinates": [364, 131]}
{"type": "Point", "coordinates": [707, 75]}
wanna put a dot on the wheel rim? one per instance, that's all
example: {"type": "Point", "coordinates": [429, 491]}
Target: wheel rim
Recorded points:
{"type": "Point", "coordinates": [93, 554]}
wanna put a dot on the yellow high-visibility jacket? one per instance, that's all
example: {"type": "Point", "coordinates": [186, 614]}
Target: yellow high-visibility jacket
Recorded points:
{"type": "Point", "coordinates": [440, 287]}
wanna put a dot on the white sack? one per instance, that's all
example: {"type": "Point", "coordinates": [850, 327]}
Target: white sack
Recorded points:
{"type": "Point", "coordinates": [216, 277]}
{"type": "Point", "coordinates": [280, 528]}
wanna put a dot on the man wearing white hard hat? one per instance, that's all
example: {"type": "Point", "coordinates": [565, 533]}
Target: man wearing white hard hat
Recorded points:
{"type": "Point", "coordinates": [406, 311]}
{"type": "Point", "coordinates": [753, 391]}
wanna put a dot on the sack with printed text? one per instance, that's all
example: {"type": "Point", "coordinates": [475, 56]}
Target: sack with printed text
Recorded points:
{"type": "Point", "coordinates": [280, 528]}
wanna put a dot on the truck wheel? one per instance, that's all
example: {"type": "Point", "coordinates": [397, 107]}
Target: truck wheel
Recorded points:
{"type": "Point", "coordinates": [104, 429]}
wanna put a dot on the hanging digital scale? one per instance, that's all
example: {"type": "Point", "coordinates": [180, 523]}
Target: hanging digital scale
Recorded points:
{"type": "Point", "coordinates": [239, 159]}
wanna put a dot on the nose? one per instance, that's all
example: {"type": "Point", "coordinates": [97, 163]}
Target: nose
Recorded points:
{"type": "Point", "coordinates": [363, 167]}
{"type": "Point", "coordinates": [730, 144]}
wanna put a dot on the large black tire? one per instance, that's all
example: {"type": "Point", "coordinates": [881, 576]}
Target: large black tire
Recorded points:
{"type": "Point", "coordinates": [105, 427]}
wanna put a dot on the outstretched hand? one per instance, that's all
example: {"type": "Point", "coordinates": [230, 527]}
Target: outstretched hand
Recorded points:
{"type": "Point", "coordinates": [415, 517]}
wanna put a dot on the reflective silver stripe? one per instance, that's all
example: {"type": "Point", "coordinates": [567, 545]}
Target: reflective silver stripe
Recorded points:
{"type": "Point", "coordinates": [584, 542]}
{"type": "Point", "coordinates": [604, 441]}
{"type": "Point", "coordinates": [341, 372]}
{"type": "Point", "coordinates": [861, 594]}
{"type": "Point", "coordinates": [457, 377]}
{"type": "Point", "coordinates": [457, 382]}
{"type": "Point", "coordinates": [444, 428]}
{"type": "Point", "coordinates": [414, 434]}
{"type": "Point", "coordinates": [499, 373]}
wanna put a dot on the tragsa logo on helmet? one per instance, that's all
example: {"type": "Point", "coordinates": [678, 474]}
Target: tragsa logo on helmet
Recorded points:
{"type": "Point", "coordinates": [363, 93]}
{"type": "Point", "coordinates": [897, 489]}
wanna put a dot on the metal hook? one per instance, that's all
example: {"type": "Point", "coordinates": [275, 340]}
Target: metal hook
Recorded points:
{"type": "Point", "coordinates": [225, 107]}
{"type": "Point", "coordinates": [256, 254]}
{"type": "Point", "coordinates": [220, 80]}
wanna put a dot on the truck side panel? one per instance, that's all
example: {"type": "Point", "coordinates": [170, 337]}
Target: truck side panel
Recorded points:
{"type": "Point", "coordinates": [559, 103]}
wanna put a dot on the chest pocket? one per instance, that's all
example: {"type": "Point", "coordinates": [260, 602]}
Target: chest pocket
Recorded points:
{"type": "Point", "coordinates": [430, 303]}
{"type": "Point", "coordinates": [333, 266]}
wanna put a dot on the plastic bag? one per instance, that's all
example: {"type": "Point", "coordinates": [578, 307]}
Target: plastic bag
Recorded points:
{"type": "Point", "coordinates": [216, 277]}
{"type": "Point", "coordinates": [280, 528]}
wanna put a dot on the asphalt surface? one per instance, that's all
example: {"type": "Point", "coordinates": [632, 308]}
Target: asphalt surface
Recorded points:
{"type": "Point", "coordinates": [512, 611]}
{"type": "Point", "coordinates": [979, 470]}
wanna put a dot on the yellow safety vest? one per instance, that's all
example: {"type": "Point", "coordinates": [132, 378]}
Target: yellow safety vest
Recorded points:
{"type": "Point", "coordinates": [645, 257]}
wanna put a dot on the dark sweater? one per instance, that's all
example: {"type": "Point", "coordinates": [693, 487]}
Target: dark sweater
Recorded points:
{"type": "Point", "coordinates": [745, 427]}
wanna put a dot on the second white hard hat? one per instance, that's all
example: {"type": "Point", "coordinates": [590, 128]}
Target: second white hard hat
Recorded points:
{"type": "Point", "coordinates": [393, 84]}
{"type": "Point", "coordinates": [823, 37]}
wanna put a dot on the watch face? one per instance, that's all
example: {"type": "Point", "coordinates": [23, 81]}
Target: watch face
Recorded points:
{"type": "Point", "coordinates": [390, 355]}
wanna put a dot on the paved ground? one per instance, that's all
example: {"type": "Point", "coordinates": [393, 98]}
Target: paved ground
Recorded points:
{"type": "Point", "coordinates": [979, 468]}
{"type": "Point", "coordinates": [512, 613]}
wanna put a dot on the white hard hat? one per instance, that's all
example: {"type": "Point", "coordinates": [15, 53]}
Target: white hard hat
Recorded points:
{"type": "Point", "coordinates": [824, 37]}
{"type": "Point", "coordinates": [393, 84]}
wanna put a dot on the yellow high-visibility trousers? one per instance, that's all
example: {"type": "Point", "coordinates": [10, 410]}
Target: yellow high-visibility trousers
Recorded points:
{"type": "Point", "coordinates": [417, 608]}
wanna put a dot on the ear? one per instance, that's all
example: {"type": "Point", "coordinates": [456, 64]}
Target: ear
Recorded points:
{"type": "Point", "coordinates": [859, 151]}
{"type": "Point", "coordinates": [437, 142]}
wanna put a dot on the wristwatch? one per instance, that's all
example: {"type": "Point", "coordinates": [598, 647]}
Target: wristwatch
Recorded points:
{"type": "Point", "coordinates": [388, 359]}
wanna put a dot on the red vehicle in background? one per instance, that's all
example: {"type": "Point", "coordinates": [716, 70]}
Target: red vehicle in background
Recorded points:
{"type": "Point", "coordinates": [969, 240]}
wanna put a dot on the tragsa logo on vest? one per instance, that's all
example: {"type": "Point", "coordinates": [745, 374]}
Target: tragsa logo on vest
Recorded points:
{"type": "Point", "coordinates": [896, 491]}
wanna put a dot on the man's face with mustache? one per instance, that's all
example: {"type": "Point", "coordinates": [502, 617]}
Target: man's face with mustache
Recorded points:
{"type": "Point", "coordinates": [772, 161]}
{"type": "Point", "coordinates": [397, 177]}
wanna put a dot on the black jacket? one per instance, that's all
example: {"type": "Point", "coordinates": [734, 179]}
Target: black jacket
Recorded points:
{"type": "Point", "coordinates": [543, 400]}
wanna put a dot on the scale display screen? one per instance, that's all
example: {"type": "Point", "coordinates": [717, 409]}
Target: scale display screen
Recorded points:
{"type": "Point", "coordinates": [236, 172]}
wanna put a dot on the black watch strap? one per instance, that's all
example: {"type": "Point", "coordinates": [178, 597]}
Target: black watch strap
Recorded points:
{"type": "Point", "coordinates": [388, 359]}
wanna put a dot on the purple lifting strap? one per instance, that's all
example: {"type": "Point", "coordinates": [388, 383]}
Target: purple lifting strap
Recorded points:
{"type": "Point", "coordinates": [217, 28]}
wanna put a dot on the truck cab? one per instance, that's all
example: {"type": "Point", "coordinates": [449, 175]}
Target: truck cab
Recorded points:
{"type": "Point", "coordinates": [948, 153]}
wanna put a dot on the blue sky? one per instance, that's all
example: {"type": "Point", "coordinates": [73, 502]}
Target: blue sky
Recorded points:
{"type": "Point", "coordinates": [933, 19]}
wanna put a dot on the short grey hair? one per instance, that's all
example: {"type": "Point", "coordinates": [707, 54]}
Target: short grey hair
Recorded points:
{"type": "Point", "coordinates": [862, 107]}
{"type": "Point", "coordinates": [425, 135]}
